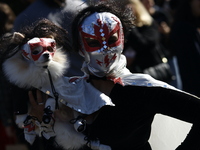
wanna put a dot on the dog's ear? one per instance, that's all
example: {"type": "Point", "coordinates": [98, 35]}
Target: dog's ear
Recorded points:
{"type": "Point", "coordinates": [9, 45]}
{"type": "Point", "coordinates": [17, 38]}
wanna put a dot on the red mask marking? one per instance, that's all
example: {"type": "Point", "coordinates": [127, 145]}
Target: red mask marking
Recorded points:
{"type": "Point", "coordinates": [99, 37]}
{"type": "Point", "coordinates": [45, 46]}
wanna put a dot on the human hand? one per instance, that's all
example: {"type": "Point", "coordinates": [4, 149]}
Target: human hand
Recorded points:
{"type": "Point", "coordinates": [164, 28]}
{"type": "Point", "coordinates": [38, 104]}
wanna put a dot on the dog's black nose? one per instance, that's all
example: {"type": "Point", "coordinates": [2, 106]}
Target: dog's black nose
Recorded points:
{"type": "Point", "coordinates": [46, 55]}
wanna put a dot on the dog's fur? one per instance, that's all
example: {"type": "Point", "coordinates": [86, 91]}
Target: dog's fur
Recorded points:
{"type": "Point", "coordinates": [26, 74]}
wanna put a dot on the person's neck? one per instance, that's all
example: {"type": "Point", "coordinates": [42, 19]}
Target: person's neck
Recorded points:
{"type": "Point", "coordinates": [102, 84]}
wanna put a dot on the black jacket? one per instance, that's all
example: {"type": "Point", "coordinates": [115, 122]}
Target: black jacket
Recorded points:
{"type": "Point", "coordinates": [127, 125]}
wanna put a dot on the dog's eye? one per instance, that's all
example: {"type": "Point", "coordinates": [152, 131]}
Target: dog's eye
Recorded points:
{"type": "Point", "coordinates": [50, 49]}
{"type": "Point", "coordinates": [37, 50]}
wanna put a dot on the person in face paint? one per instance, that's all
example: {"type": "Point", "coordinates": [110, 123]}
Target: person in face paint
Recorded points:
{"type": "Point", "coordinates": [137, 97]}
{"type": "Point", "coordinates": [103, 56]}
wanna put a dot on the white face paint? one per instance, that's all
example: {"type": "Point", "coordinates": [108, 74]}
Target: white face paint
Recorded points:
{"type": "Point", "coordinates": [102, 42]}
{"type": "Point", "coordinates": [37, 47]}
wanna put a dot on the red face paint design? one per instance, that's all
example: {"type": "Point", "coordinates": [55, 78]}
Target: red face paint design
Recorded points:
{"type": "Point", "coordinates": [102, 35]}
{"type": "Point", "coordinates": [38, 46]}
{"type": "Point", "coordinates": [102, 42]}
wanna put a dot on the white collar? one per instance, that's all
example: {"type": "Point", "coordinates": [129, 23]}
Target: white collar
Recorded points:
{"type": "Point", "coordinates": [77, 94]}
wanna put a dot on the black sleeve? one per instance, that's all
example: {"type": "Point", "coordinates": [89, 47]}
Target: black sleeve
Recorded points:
{"type": "Point", "coordinates": [158, 100]}
{"type": "Point", "coordinates": [180, 105]}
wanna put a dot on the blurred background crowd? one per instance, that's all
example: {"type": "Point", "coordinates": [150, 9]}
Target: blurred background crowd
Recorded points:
{"type": "Point", "coordinates": [164, 42]}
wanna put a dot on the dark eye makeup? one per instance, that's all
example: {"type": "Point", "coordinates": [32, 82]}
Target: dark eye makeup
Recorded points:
{"type": "Point", "coordinates": [37, 50]}
{"type": "Point", "coordinates": [95, 43]}
{"type": "Point", "coordinates": [92, 42]}
{"type": "Point", "coordinates": [113, 39]}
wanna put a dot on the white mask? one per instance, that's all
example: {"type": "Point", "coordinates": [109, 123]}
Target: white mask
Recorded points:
{"type": "Point", "coordinates": [102, 42]}
{"type": "Point", "coordinates": [35, 47]}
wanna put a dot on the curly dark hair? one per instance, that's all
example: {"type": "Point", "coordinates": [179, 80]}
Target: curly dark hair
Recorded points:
{"type": "Point", "coordinates": [125, 15]}
{"type": "Point", "coordinates": [46, 28]}
{"type": "Point", "coordinates": [41, 28]}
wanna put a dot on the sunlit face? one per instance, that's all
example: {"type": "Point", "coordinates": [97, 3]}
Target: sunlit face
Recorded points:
{"type": "Point", "coordinates": [102, 41]}
{"type": "Point", "coordinates": [101, 31]}
{"type": "Point", "coordinates": [35, 47]}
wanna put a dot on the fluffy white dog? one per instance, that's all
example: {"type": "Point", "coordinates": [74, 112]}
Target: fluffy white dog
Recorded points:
{"type": "Point", "coordinates": [39, 64]}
